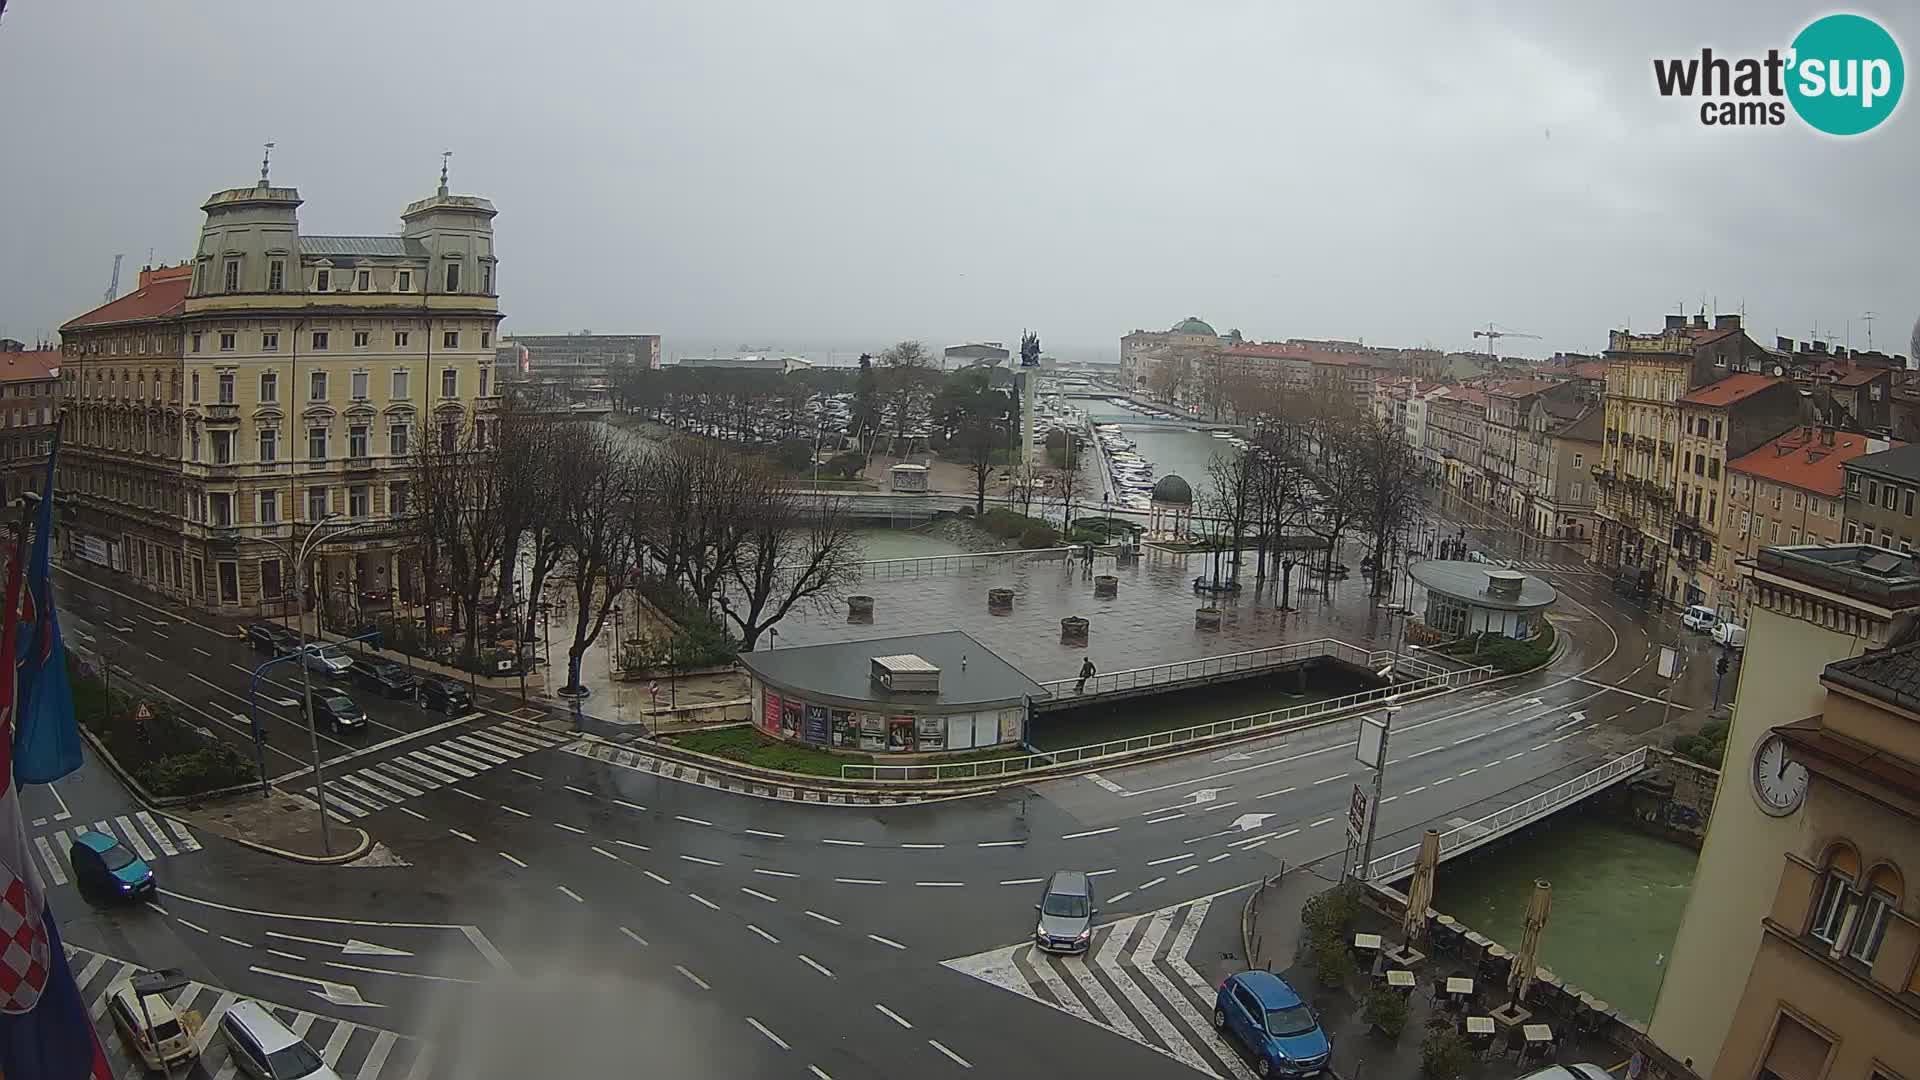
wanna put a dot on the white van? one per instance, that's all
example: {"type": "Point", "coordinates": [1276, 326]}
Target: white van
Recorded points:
{"type": "Point", "coordinates": [1730, 634]}
{"type": "Point", "coordinates": [1700, 617]}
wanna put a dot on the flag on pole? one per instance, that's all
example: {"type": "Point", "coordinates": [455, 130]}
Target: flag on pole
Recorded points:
{"type": "Point", "coordinates": [46, 740]}
{"type": "Point", "coordinates": [46, 1031]}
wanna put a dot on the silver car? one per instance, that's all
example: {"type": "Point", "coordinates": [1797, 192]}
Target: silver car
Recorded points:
{"type": "Point", "coordinates": [1066, 913]}
{"type": "Point", "coordinates": [265, 1048]}
{"type": "Point", "coordinates": [327, 660]}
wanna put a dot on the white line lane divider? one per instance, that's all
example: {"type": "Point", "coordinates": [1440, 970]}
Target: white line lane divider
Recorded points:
{"type": "Point", "coordinates": [464, 836]}
{"type": "Point", "coordinates": [893, 1016]}
{"type": "Point", "coordinates": [1001, 843]}
{"type": "Point", "coordinates": [816, 965]}
{"type": "Point", "coordinates": [828, 919]}
{"type": "Point", "coordinates": [692, 978]}
{"type": "Point", "coordinates": [1023, 881]}
{"type": "Point", "coordinates": [951, 1056]}
{"type": "Point", "coordinates": [760, 895]}
{"type": "Point", "coordinates": [857, 881]}
{"type": "Point", "coordinates": [710, 905]}
{"type": "Point", "coordinates": [763, 934]}
{"type": "Point", "coordinates": [1091, 832]}
{"type": "Point", "coordinates": [774, 873]}
{"type": "Point", "coordinates": [940, 884]}
{"type": "Point", "coordinates": [576, 897]}
{"type": "Point", "coordinates": [513, 860]}
{"type": "Point", "coordinates": [768, 835]}
{"type": "Point", "coordinates": [691, 820]}
{"type": "Point", "coordinates": [698, 859]}
{"type": "Point", "coordinates": [636, 938]}
{"type": "Point", "coordinates": [888, 942]}
{"type": "Point", "coordinates": [762, 1029]}
{"type": "Point", "coordinates": [843, 843]}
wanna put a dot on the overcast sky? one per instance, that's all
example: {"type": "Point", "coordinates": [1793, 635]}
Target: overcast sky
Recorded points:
{"type": "Point", "coordinates": [811, 171]}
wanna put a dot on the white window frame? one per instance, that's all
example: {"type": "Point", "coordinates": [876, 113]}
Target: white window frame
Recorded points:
{"type": "Point", "coordinates": [359, 384]}
{"type": "Point", "coordinates": [403, 281]}
{"type": "Point", "coordinates": [402, 390]}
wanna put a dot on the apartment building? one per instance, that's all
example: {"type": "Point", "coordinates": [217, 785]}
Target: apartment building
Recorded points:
{"type": "Point", "coordinates": [230, 404]}
{"type": "Point", "coordinates": [1719, 421]}
{"type": "Point", "coordinates": [29, 409]}
{"type": "Point", "coordinates": [1882, 487]}
{"type": "Point", "coordinates": [1456, 431]}
{"type": "Point", "coordinates": [1788, 490]}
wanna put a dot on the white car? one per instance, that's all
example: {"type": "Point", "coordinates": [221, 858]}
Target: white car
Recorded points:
{"type": "Point", "coordinates": [1730, 634]}
{"type": "Point", "coordinates": [265, 1048]}
{"type": "Point", "coordinates": [1699, 617]}
{"type": "Point", "coordinates": [166, 1040]}
{"type": "Point", "coordinates": [327, 660]}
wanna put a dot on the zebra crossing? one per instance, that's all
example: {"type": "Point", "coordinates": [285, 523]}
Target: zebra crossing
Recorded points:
{"type": "Point", "coordinates": [351, 1049]}
{"type": "Point", "coordinates": [391, 782]}
{"type": "Point", "coordinates": [1134, 979]}
{"type": "Point", "coordinates": [174, 839]}
{"type": "Point", "coordinates": [1552, 567]}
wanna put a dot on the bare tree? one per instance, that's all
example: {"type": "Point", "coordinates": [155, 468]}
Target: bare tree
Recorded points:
{"type": "Point", "coordinates": [907, 366]}
{"type": "Point", "coordinates": [980, 419]}
{"type": "Point", "coordinates": [1340, 479]}
{"type": "Point", "coordinates": [797, 550]}
{"type": "Point", "coordinates": [601, 483]}
{"type": "Point", "coordinates": [1229, 501]}
{"type": "Point", "coordinates": [1170, 375]}
{"type": "Point", "coordinates": [461, 514]}
{"type": "Point", "coordinates": [1215, 383]}
{"type": "Point", "coordinates": [702, 493]}
{"type": "Point", "coordinates": [1391, 488]}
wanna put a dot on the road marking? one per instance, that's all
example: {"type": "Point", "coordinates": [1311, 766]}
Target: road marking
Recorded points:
{"type": "Point", "coordinates": [202, 652]}
{"type": "Point", "coordinates": [1023, 881]}
{"type": "Point", "coordinates": [1091, 832]}
{"type": "Point", "coordinates": [1388, 799]}
{"type": "Point", "coordinates": [608, 854]}
{"type": "Point", "coordinates": [1119, 896]}
{"type": "Point", "coordinates": [691, 820]}
{"type": "Point", "coordinates": [698, 859]}
{"type": "Point", "coordinates": [951, 1056]}
{"type": "Point", "coordinates": [893, 1016]}
{"type": "Point", "coordinates": [1424, 753]}
{"type": "Point", "coordinates": [1286, 834]}
{"type": "Point", "coordinates": [578, 791]}
{"type": "Point", "coordinates": [468, 837]}
{"type": "Point", "coordinates": [1567, 736]}
{"type": "Point", "coordinates": [193, 925]}
{"type": "Point", "coordinates": [468, 794]}
{"type": "Point", "coordinates": [1521, 754]}
{"type": "Point", "coordinates": [844, 843]}
{"type": "Point", "coordinates": [1185, 870]}
{"type": "Point", "coordinates": [569, 828]}
{"type": "Point", "coordinates": [515, 810]}
{"type": "Point", "coordinates": [692, 978]}
{"type": "Point", "coordinates": [576, 897]}
{"type": "Point", "coordinates": [1170, 858]}
{"type": "Point", "coordinates": [628, 805]}
{"type": "Point", "coordinates": [288, 955]}
{"type": "Point", "coordinates": [1542, 746]}
{"type": "Point", "coordinates": [888, 942]}
{"type": "Point", "coordinates": [656, 877]}
{"type": "Point", "coordinates": [513, 860]}
{"type": "Point", "coordinates": [710, 905]}
{"type": "Point", "coordinates": [763, 933]}
{"type": "Point", "coordinates": [1470, 738]}
{"type": "Point", "coordinates": [530, 776]}
{"type": "Point", "coordinates": [1447, 780]}
{"type": "Point", "coordinates": [235, 941]}
{"type": "Point", "coordinates": [410, 811]}
{"type": "Point", "coordinates": [761, 895]}
{"type": "Point", "coordinates": [1415, 791]}
{"type": "Point", "coordinates": [828, 919]}
{"type": "Point", "coordinates": [816, 965]}
{"type": "Point", "coordinates": [1100, 873]}
{"type": "Point", "coordinates": [923, 847]}
{"type": "Point", "coordinates": [1331, 779]}
{"type": "Point", "coordinates": [635, 937]}
{"type": "Point", "coordinates": [818, 1073]}
{"type": "Point", "coordinates": [1470, 772]}
{"type": "Point", "coordinates": [940, 884]}
{"type": "Point", "coordinates": [768, 835]}
{"type": "Point", "coordinates": [857, 881]}
{"type": "Point", "coordinates": [1000, 843]}
{"type": "Point", "coordinates": [1271, 794]}
{"type": "Point", "coordinates": [762, 1029]}
{"type": "Point", "coordinates": [1319, 823]}
{"type": "Point", "coordinates": [1148, 885]}
{"type": "Point", "coordinates": [774, 873]}
{"type": "Point", "coordinates": [1169, 817]}
{"type": "Point", "coordinates": [634, 846]}
{"type": "Point", "coordinates": [1222, 855]}
{"type": "Point", "coordinates": [401, 974]}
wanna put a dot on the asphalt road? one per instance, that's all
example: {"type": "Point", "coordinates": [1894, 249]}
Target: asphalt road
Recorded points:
{"type": "Point", "coordinates": [535, 905]}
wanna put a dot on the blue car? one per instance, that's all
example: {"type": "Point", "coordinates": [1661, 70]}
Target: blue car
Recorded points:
{"type": "Point", "coordinates": [1258, 1010]}
{"type": "Point", "coordinates": [105, 866]}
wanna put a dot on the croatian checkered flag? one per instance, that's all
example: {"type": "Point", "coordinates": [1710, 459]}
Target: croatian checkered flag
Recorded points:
{"type": "Point", "coordinates": [45, 1030]}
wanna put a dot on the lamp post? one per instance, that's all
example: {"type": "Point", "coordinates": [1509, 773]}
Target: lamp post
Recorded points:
{"type": "Point", "coordinates": [307, 547]}
{"type": "Point", "coordinates": [150, 984]}
{"type": "Point", "coordinates": [1379, 782]}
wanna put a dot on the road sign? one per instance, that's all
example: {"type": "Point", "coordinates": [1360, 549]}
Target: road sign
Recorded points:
{"type": "Point", "coordinates": [143, 714]}
{"type": "Point", "coordinates": [1669, 665]}
{"type": "Point", "coordinates": [1373, 737]}
{"type": "Point", "coordinates": [1357, 814]}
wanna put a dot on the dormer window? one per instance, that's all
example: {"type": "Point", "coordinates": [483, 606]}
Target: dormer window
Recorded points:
{"type": "Point", "coordinates": [323, 280]}
{"type": "Point", "coordinates": [232, 280]}
{"type": "Point", "coordinates": [276, 275]}
{"type": "Point", "coordinates": [363, 280]}
{"type": "Point", "coordinates": [404, 281]}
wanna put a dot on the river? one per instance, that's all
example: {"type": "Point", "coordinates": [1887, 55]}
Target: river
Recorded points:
{"type": "Point", "coordinates": [1185, 452]}
{"type": "Point", "coordinates": [1618, 895]}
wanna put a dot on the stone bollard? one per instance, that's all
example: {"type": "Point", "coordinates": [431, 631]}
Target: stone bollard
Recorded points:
{"type": "Point", "coordinates": [1106, 585]}
{"type": "Point", "coordinates": [859, 609]}
{"type": "Point", "coordinates": [1206, 618]}
{"type": "Point", "coordinates": [1073, 630]}
{"type": "Point", "coordinates": [1000, 601]}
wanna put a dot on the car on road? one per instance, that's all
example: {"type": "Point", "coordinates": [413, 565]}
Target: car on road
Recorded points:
{"type": "Point", "coordinates": [386, 678]}
{"type": "Point", "coordinates": [149, 1029]}
{"type": "Point", "coordinates": [1699, 617]}
{"type": "Point", "coordinates": [338, 713]}
{"type": "Point", "coordinates": [445, 695]}
{"type": "Point", "coordinates": [1581, 1071]}
{"type": "Point", "coordinates": [1266, 1017]}
{"type": "Point", "coordinates": [1730, 634]}
{"type": "Point", "coordinates": [104, 866]}
{"type": "Point", "coordinates": [327, 660]}
{"type": "Point", "coordinates": [267, 1049]}
{"type": "Point", "coordinates": [1066, 913]}
{"type": "Point", "coordinates": [272, 639]}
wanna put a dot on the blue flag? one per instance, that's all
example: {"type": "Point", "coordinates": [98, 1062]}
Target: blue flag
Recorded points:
{"type": "Point", "coordinates": [46, 737]}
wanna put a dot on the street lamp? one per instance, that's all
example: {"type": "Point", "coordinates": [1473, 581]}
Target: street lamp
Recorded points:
{"type": "Point", "coordinates": [155, 983]}
{"type": "Point", "coordinates": [1379, 781]}
{"type": "Point", "coordinates": [308, 545]}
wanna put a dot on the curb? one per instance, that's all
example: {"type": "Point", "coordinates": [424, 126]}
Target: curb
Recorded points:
{"type": "Point", "coordinates": [1247, 914]}
{"type": "Point", "coordinates": [360, 849]}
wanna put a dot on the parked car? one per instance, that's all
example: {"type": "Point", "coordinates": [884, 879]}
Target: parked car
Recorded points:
{"type": "Point", "coordinates": [1066, 913]}
{"type": "Point", "coordinates": [1262, 1013]}
{"type": "Point", "coordinates": [105, 867]}
{"type": "Point", "coordinates": [272, 639]}
{"type": "Point", "coordinates": [265, 1048]}
{"type": "Point", "coordinates": [1730, 634]}
{"type": "Point", "coordinates": [1582, 1071]}
{"type": "Point", "coordinates": [327, 660]}
{"type": "Point", "coordinates": [156, 1034]}
{"type": "Point", "coordinates": [338, 713]}
{"type": "Point", "coordinates": [386, 678]}
{"type": "Point", "coordinates": [1699, 617]}
{"type": "Point", "coordinates": [445, 695]}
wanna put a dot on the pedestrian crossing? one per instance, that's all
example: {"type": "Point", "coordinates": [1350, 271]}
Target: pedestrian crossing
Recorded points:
{"type": "Point", "coordinates": [160, 837]}
{"type": "Point", "coordinates": [352, 1050]}
{"type": "Point", "coordinates": [1134, 979]}
{"type": "Point", "coordinates": [375, 787]}
{"type": "Point", "coordinates": [1552, 567]}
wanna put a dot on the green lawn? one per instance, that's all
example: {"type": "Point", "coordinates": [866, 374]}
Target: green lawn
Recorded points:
{"type": "Point", "coordinates": [744, 744]}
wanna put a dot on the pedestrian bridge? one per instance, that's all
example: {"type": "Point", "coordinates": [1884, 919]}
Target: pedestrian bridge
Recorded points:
{"type": "Point", "coordinates": [1518, 815]}
{"type": "Point", "coordinates": [1397, 668]}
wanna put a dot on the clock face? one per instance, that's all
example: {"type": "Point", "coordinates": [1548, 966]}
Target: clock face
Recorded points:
{"type": "Point", "coordinates": [1779, 782]}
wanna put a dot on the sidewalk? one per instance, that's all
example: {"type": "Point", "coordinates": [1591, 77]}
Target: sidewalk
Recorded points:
{"type": "Point", "coordinates": [281, 824]}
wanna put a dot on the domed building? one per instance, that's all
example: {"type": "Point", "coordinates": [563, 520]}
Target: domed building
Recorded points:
{"type": "Point", "coordinates": [1194, 325]}
{"type": "Point", "coordinates": [1190, 337]}
{"type": "Point", "coordinates": [1170, 512]}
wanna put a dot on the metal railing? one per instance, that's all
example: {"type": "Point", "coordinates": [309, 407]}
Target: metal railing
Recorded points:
{"type": "Point", "coordinates": [946, 564]}
{"type": "Point", "coordinates": [1503, 821]}
{"type": "Point", "coordinates": [1274, 720]}
{"type": "Point", "coordinates": [1208, 667]}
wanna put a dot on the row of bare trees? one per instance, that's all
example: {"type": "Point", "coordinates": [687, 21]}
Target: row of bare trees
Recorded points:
{"type": "Point", "coordinates": [598, 511]}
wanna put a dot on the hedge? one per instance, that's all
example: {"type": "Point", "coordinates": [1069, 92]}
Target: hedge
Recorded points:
{"type": "Point", "coordinates": [700, 638]}
{"type": "Point", "coordinates": [164, 753]}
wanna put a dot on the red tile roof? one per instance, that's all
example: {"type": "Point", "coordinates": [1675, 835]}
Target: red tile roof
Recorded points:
{"type": "Point", "coordinates": [28, 366]}
{"type": "Point", "coordinates": [1730, 389]}
{"type": "Point", "coordinates": [163, 293]}
{"type": "Point", "coordinates": [1805, 461]}
{"type": "Point", "coordinates": [1467, 394]}
{"type": "Point", "coordinates": [1591, 369]}
{"type": "Point", "coordinates": [1283, 351]}
{"type": "Point", "coordinates": [1522, 387]}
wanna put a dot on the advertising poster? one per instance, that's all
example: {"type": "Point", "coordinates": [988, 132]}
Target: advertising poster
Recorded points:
{"type": "Point", "coordinates": [931, 733]}
{"type": "Point", "coordinates": [846, 733]}
{"type": "Point", "coordinates": [899, 733]}
{"type": "Point", "coordinates": [1010, 724]}
{"type": "Point", "coordinates": [770, 711]}
{"type": "Point", "coordinates": [790, 718]}
{"type": "Point", "coordinates": [873, 732]}
{"type": "Point", "coordinates": [815, 730]}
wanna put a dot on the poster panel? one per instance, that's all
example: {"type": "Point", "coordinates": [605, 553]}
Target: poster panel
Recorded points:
{"type": "Point", "coordinates": [770, 712]}
{"type": "Point", "coordinates": [899, 733]}
{"type": "Point", "coordinates": [846, 731]}
{"type": "Point", "coordinates": [931, 733]}
{"type": "Point", "coordinates": [873, 731]}
{"type": "Point", "coordinates": [815, 730]}
{"type": "Point", "coordinates": [790, 718]}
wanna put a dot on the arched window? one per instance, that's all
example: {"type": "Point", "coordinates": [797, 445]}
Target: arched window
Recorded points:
{"type": "Point", "coordinates": [1879, 899]}
{"type": "Point", "coordinates": [1842, 869]}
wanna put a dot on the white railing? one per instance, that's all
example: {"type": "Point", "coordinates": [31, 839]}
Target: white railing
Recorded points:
{"type": "Point", "coordinates": [1208, 666]}
{"type": "Point", "coordinates": [945, 564]}
{"type": "Point", "coordinates": [1503, 821]}
{"type": "Point", "coordinates": [1272, 721]}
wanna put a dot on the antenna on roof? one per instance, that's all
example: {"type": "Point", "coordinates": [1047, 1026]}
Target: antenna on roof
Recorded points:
{"type": "Point", "coordinates": [266, 160]}
{"type": "Point", "coordinates": [445, 156]}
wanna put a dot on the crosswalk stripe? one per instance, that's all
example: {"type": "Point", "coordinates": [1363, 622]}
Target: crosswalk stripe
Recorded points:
{"type": "Point", "coordinates": [385, 784]}
{"type": "Point", "coordinates": [184, 835]}
{"type": "Point", "coordinates": [1146, 965]}
{"type": "Point", "coordinates": [422, 1064]}
{"type": "Point", "coordinates": [358, 785]}
{"type": "Point", "coordinates": [410, 768]}
{"type": "Point", "coordinates": [444, 761]}
{"type": "Point", "coordinates": [340, 805]}
{"type": "Point", "coordinates": [538, 734]}
{"type": "Point", "coordinates": [302, 1024]}
{"type": "Point", "coordinates": [1112, 952]}
{"type": "Point", "coordinates": [390, 773]}
{"type": "Point", "coordinates": [1110, 1009]}
{"type": "Point", "coordinates": [159, 834]}
{"type": "Point", "coordinates": [462, 755]}
{"type": "Point", "coordinates": [1032, 959]}
{"type": "Point", "coordinates": [54, 871]}
{"type": "Point", "coordinates": [92, 967]}
{"type": "Point", "coordinates": [351, 797]}
{"type": "Point", "coordinates": [342, 1031]}
{"type": "Point", "coordinates": [99, 1007]}
{"type": "Point", "coordinates": [132, 836]}
{"type": "Point", "coordinates": [508, 736]}
{"type": "Point", "coordinates": [212, 1022]}
{"type": "Point", "coordinates": [103, 827]}
{"type": "Point", "coordinates": [478, 749]}
{"type": "Point", "coordinates": [63, 847]}
{"type": "Point", "coordinates": [377, 1057]}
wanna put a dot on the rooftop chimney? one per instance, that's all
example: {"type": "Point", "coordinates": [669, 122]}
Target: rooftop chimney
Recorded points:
{"type": "Point", "coordinates": [1726, 322]}
{"type": "Point", "coordinates": [1676, 322]}
{"type": "Point", "coordinates": [1700, 321]}
{"type": "Point", "coordinates": [1784, 344]}
{"type": "Point", "coordinates": [1505, 584]}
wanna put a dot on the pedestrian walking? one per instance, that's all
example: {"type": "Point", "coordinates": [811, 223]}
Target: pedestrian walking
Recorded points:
{"type": "Point", "coordinates": [1087, 671]}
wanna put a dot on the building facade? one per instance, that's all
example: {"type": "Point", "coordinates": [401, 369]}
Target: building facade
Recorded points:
{"type": "Point", "coordinates": [1565, 511]}
{"type": "Point", "coordinates": [565, 369]}
{"type": "Point", "coordinates": [1456, 425]}
{"type": "Point", "coordinates": [29, 410]}
{"type": "Point", "coordinates": [231, 404]}
{"type": "Point", "coordinates": [1882, 488]}
{"type": "Point", "coordinates": [1722, 420]}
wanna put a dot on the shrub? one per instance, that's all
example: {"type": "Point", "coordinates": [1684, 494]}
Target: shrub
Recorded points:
{"type": "Point", "coordinates": [1444, 1054]}
{"type": "Point", "coordinates": [1333, 911]}
{"type": "Point", "coordinates": [793, 455]}
{"type": "Point", "coordinates": [196, 772]}
{"type": "Point", "coordinates": [846, 466]}
{"type": "Point", "coordinates": [700, 638]}
{"type": "Point", "coordinates": [1386, 1009]}
{"type": "Point", "coordinates": [1039, 536]}
{"type": "Point", "coordinates": [1330, 963]}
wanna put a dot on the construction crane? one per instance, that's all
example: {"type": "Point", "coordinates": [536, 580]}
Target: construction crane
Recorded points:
{"type": "Point", "coordinates": [1493, 333]}
{"type": "Point", "coordinates": [113, 287]}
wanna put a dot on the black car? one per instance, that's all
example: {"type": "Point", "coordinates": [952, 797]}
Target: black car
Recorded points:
{"type": "Point", "coordinates": [386, 678]}
{"type": "Point", "coordinates": [272, 639]}
{"type": "Point", "coordinates": [445, 695]}
{"type": "Point", "coordinates": [338, 713]}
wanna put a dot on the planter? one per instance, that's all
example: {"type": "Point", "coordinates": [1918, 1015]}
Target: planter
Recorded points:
{"type": "Point", "coordinates": [1106, 585]}
{"type": "Point", "coordinates": [860, 609]}
{"type": "Point", "coordinates": [1073, 630]}
{"type": "Point", "coordinates": [1000, 601]}
{"type": "Point", "coordinates": [1206, 618]}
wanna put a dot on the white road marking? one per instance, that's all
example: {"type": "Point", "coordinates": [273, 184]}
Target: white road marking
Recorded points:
{"type": "Point", "coordinates": [634, 846]}
{"type": "Point", "coordinates": [1023, 881]}
{"type": "Point", "coordinates": [710, 905]}
{"type": "Point", "coordinates": [468, 837]}
{"type": "Point", "coordinates": [513, 860]}
{"type": "Point", "coordinates": [1000, 843]}
{"type": "Point", "coordinates": [923, 847]}
{"type": "Point", "coordinates": [1119, 896]}
{"type": "Point", "coordinates": [1447, 780]}
{"type": "Point", "coordinates": [574, 896]}
{"type": "Point", "coordinates": [1222, 855]}
{"type": "Point", "coordinates": [691, 977]}
{"type": "Point", "coordinates": [468, 794]}
{"type": "Point", "coordinates": [637, 939]}
{"type": "Point", "coordinates": [1319, 823]}
{"type": "Point", "coordinates": [1091, 832]}
{"type": "Point", "coordinates": [1415, 791]}
{"type": "Point", "coordinates": [888, 942]}
{"type": "Point", "coordinates": [857, 881]}
{"type": "Point", "coordinates": [816, 965]}
{"type": "Point", "coordinates": [193, 925]}
{"type": "Point", "coordinates": [515, 810]}
{"type": "Point", "coordinates": [762, 1029]}
{"type": "Point", "coordinates": [608, 854]}
{"type": "Point", "coordinates": [580, 791]}
{"type": "Point", "coordinates": [1424, 753]}
{"type": "Point", "coordinates": [1512, 757]}
{"type": "Point", "coordinates": [288, 955]}
{"type": "Point", "coordinates": [1542, 746]}
{"type": "Point", "coordinates": [844, 843]}
{"type": "Point", "coordinates": [530, 776]}
{"type": "Point", "coordinates": [691, 820]}
{"type": "Point", "coordinates": [1470, 738]}
{"type": "Point", "coordinates": [1470, 772]}
{"type": "Point", "coordinates": [759, 894]}
{"type": "Point", "coordinates": [1271, 794]}
{"type": "Point", "coordinates": [951, 1056]}
{"type": "Point", "coordinates": [569, 828]}
{"type": "Point", "coordinates": [1100, 873]}
{"type": "Point", "coordinates": [1170, 858]}
{"type": "Point", "coordinates": [893, 1016]}
{"type": "Point", "coordinates": [656, 877]}
{"type": "Point", "coordinates": [1148, 885]}
{"type": "Point", "coordinates": [1185, 870]}
{"type": "Point", "coordinates": [698, 859]}
{"type": "Point", "coordinates": [1169, 817]}
{"type": "Point", "coordinates": [235, 941]}
{"type": "Point", "coordinates": [763, 934]}
{"type": "Point", "coordinates": [768, 835]}
{"type": "Point", "coordinates": [818, 1073]}
{"type": "Point", "coordinates": [1388, 799]}
{"type": "Point", "coordinates": [828, 919]}
{"type": "Point", "coordinates": [628, 805]}
{"type": "Point", "coordinates": [412, 812]}
{"type": "Point", "coordinates": [940, 884]}
{"type": "Point", "coordinates": [202, 652]}
{"type": "Point", "coordinates": [773, 873]}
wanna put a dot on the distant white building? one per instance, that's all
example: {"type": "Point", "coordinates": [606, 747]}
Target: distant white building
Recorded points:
{"type": "Point", "coordinates": [786, 365]}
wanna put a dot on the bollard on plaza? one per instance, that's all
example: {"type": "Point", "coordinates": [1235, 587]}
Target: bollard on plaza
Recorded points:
{"type": "Point", "coordinates": [1106, 585]}
{"type": "Point", "coordinates": [1000, 601]}
{"type": "Point", "coordinates": [1206, 618]}
{"type": "Point", "coordinates": [1073, 630]}
{"type": "Point", "coordinates": [860, 609]}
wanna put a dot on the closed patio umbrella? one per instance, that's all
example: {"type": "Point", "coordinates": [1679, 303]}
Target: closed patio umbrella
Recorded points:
{"type": "Point", "coordinates": [1420, 893]}
{"type": "Point", "coordinates": [1528, 958]}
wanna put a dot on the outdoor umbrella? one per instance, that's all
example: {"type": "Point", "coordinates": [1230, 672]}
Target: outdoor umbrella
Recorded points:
{"type": "Point", "coordinates": [1528, 958]}
{"type": "Point", "coordinates": [1420, 893]}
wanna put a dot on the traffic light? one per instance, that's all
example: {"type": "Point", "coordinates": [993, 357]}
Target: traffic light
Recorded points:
{"type": "Point", "coordinates": [1720, 666]}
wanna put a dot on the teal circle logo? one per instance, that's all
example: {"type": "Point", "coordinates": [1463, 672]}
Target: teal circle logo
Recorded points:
{"type": "Point", "coordinates": [1846, 74]}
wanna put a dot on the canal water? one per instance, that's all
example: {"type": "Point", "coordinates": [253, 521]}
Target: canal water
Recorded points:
{"type": "Point", "coordinates": [1184, 451]}
{"type": "Point", "coordinates": [1618, 895]}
